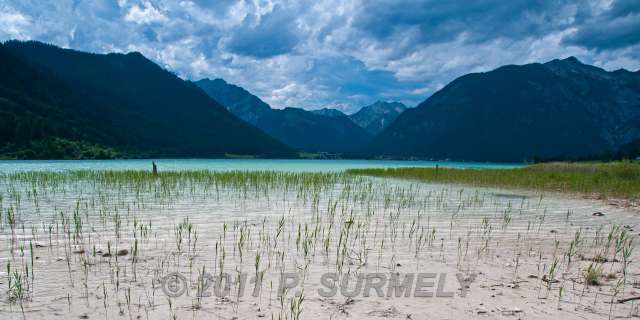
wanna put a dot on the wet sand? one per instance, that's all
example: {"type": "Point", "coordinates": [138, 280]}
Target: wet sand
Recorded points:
{"type": "Point", "coordinates": [529, 252]}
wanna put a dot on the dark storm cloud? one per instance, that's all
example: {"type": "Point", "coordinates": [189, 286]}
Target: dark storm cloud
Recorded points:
{"type": "Point", "coordinates": [478, 20]}
{"type": "Point", "coordinates": [267, 35]}
{"type": "Point", "coordinates": [617, 26]}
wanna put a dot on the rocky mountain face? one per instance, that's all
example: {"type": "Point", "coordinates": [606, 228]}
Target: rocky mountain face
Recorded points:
{"type": "Point", "coordinates": [562, 109]}
{"type": "Point", "coordinates": [118, 101]}
{"type": "Point", "coordinates": [376, 117]}
{"type": "Point", "coordinates": [312, 131]}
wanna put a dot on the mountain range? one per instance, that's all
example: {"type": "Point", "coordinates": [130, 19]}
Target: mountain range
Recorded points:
{"type": "Point", "coordinates": [562, 109]}
{"type": "Point", "coordinates": [58, 102]}
{"type": "Point", "coordinates": [62, 103]}
{"type": "Point", "coordinates": [325, 130]}
{"type": "Point", "coordinates": [329, 112]}
{"type": "Point", "coordinates": [378, 116]}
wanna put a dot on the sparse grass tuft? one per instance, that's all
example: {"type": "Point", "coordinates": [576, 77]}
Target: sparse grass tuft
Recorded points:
{"type": "Point", "coordinates": [592, 275]}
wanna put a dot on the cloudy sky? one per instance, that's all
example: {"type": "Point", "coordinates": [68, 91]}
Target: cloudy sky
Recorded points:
{"type": "Point", "coordinates": [332, 53]}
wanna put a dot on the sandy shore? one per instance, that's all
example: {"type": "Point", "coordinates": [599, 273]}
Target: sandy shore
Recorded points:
{"type": "Point", "coordinates": [77, 248]}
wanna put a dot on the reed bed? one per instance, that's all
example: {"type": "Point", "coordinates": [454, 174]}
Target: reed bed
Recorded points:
{"type": "Point", "coordinates": [604, 180]}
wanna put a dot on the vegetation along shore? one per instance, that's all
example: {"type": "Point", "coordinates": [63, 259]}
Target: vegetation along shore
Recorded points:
{"type": "Point", "coordinates": [619, 179]}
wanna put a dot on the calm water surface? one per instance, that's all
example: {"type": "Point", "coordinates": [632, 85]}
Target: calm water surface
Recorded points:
{"type": "Point", "coordinates": [296, 165]}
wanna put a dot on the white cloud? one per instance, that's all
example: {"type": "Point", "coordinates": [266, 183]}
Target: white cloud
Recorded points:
{"type": "Point", "coordinates": [421, 91]}
{"type": "Point", "coordinates": [13, 24]}
{"type": "Point", "coordinates": [145, 15]}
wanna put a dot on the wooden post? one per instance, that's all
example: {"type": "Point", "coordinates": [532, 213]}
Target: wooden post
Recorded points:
{"type": "Point", "coordinates": [155, 168]}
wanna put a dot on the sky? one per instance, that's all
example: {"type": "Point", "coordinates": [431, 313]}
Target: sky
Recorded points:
{"type": "Point", "coordinates": [331, 53]}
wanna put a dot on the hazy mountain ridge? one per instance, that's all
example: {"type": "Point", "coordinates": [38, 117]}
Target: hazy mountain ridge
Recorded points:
{"type": "Point", "coordinates": [236, 99]}
{"type": "Point", "coordinates": [560, 109]}
{"type": "Point", "coordinates": [312, 131]}
{"type": "Point", "coordinates": [329, 112]}
{"type": "Point", "coordinates": [376, 117]}
{"type": "Point", "coordinates": [130, 103]}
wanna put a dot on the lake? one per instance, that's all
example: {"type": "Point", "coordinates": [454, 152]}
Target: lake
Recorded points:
{"type": "Point", "coordinates": [296, 165]}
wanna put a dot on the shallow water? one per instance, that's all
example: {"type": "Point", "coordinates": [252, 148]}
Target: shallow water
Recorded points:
{"type": "Point", "coordinates": [296, 165]}
{"type": "Point", "coordinates": [368, 225]}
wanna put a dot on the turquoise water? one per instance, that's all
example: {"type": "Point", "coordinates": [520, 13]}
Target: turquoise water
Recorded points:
{"type": "Point", "coordinates": [296, 165]}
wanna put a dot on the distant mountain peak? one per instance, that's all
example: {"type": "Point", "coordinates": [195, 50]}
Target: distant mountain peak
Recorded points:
{"type": "Point", "coordinates": [323, 130]}
{"type": "Point", "coordinates": [387, 106]}
{"type": "Point", "coordinates": [563, 67]}
{"type": "Point", "coordinates": [377, 116]}
{"type": "Point", "coordinates": [572, 59]}
{"type": "Point", "coordinates": [559, 109]}
{"type": "Point", "coordinates": [329, 112]}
